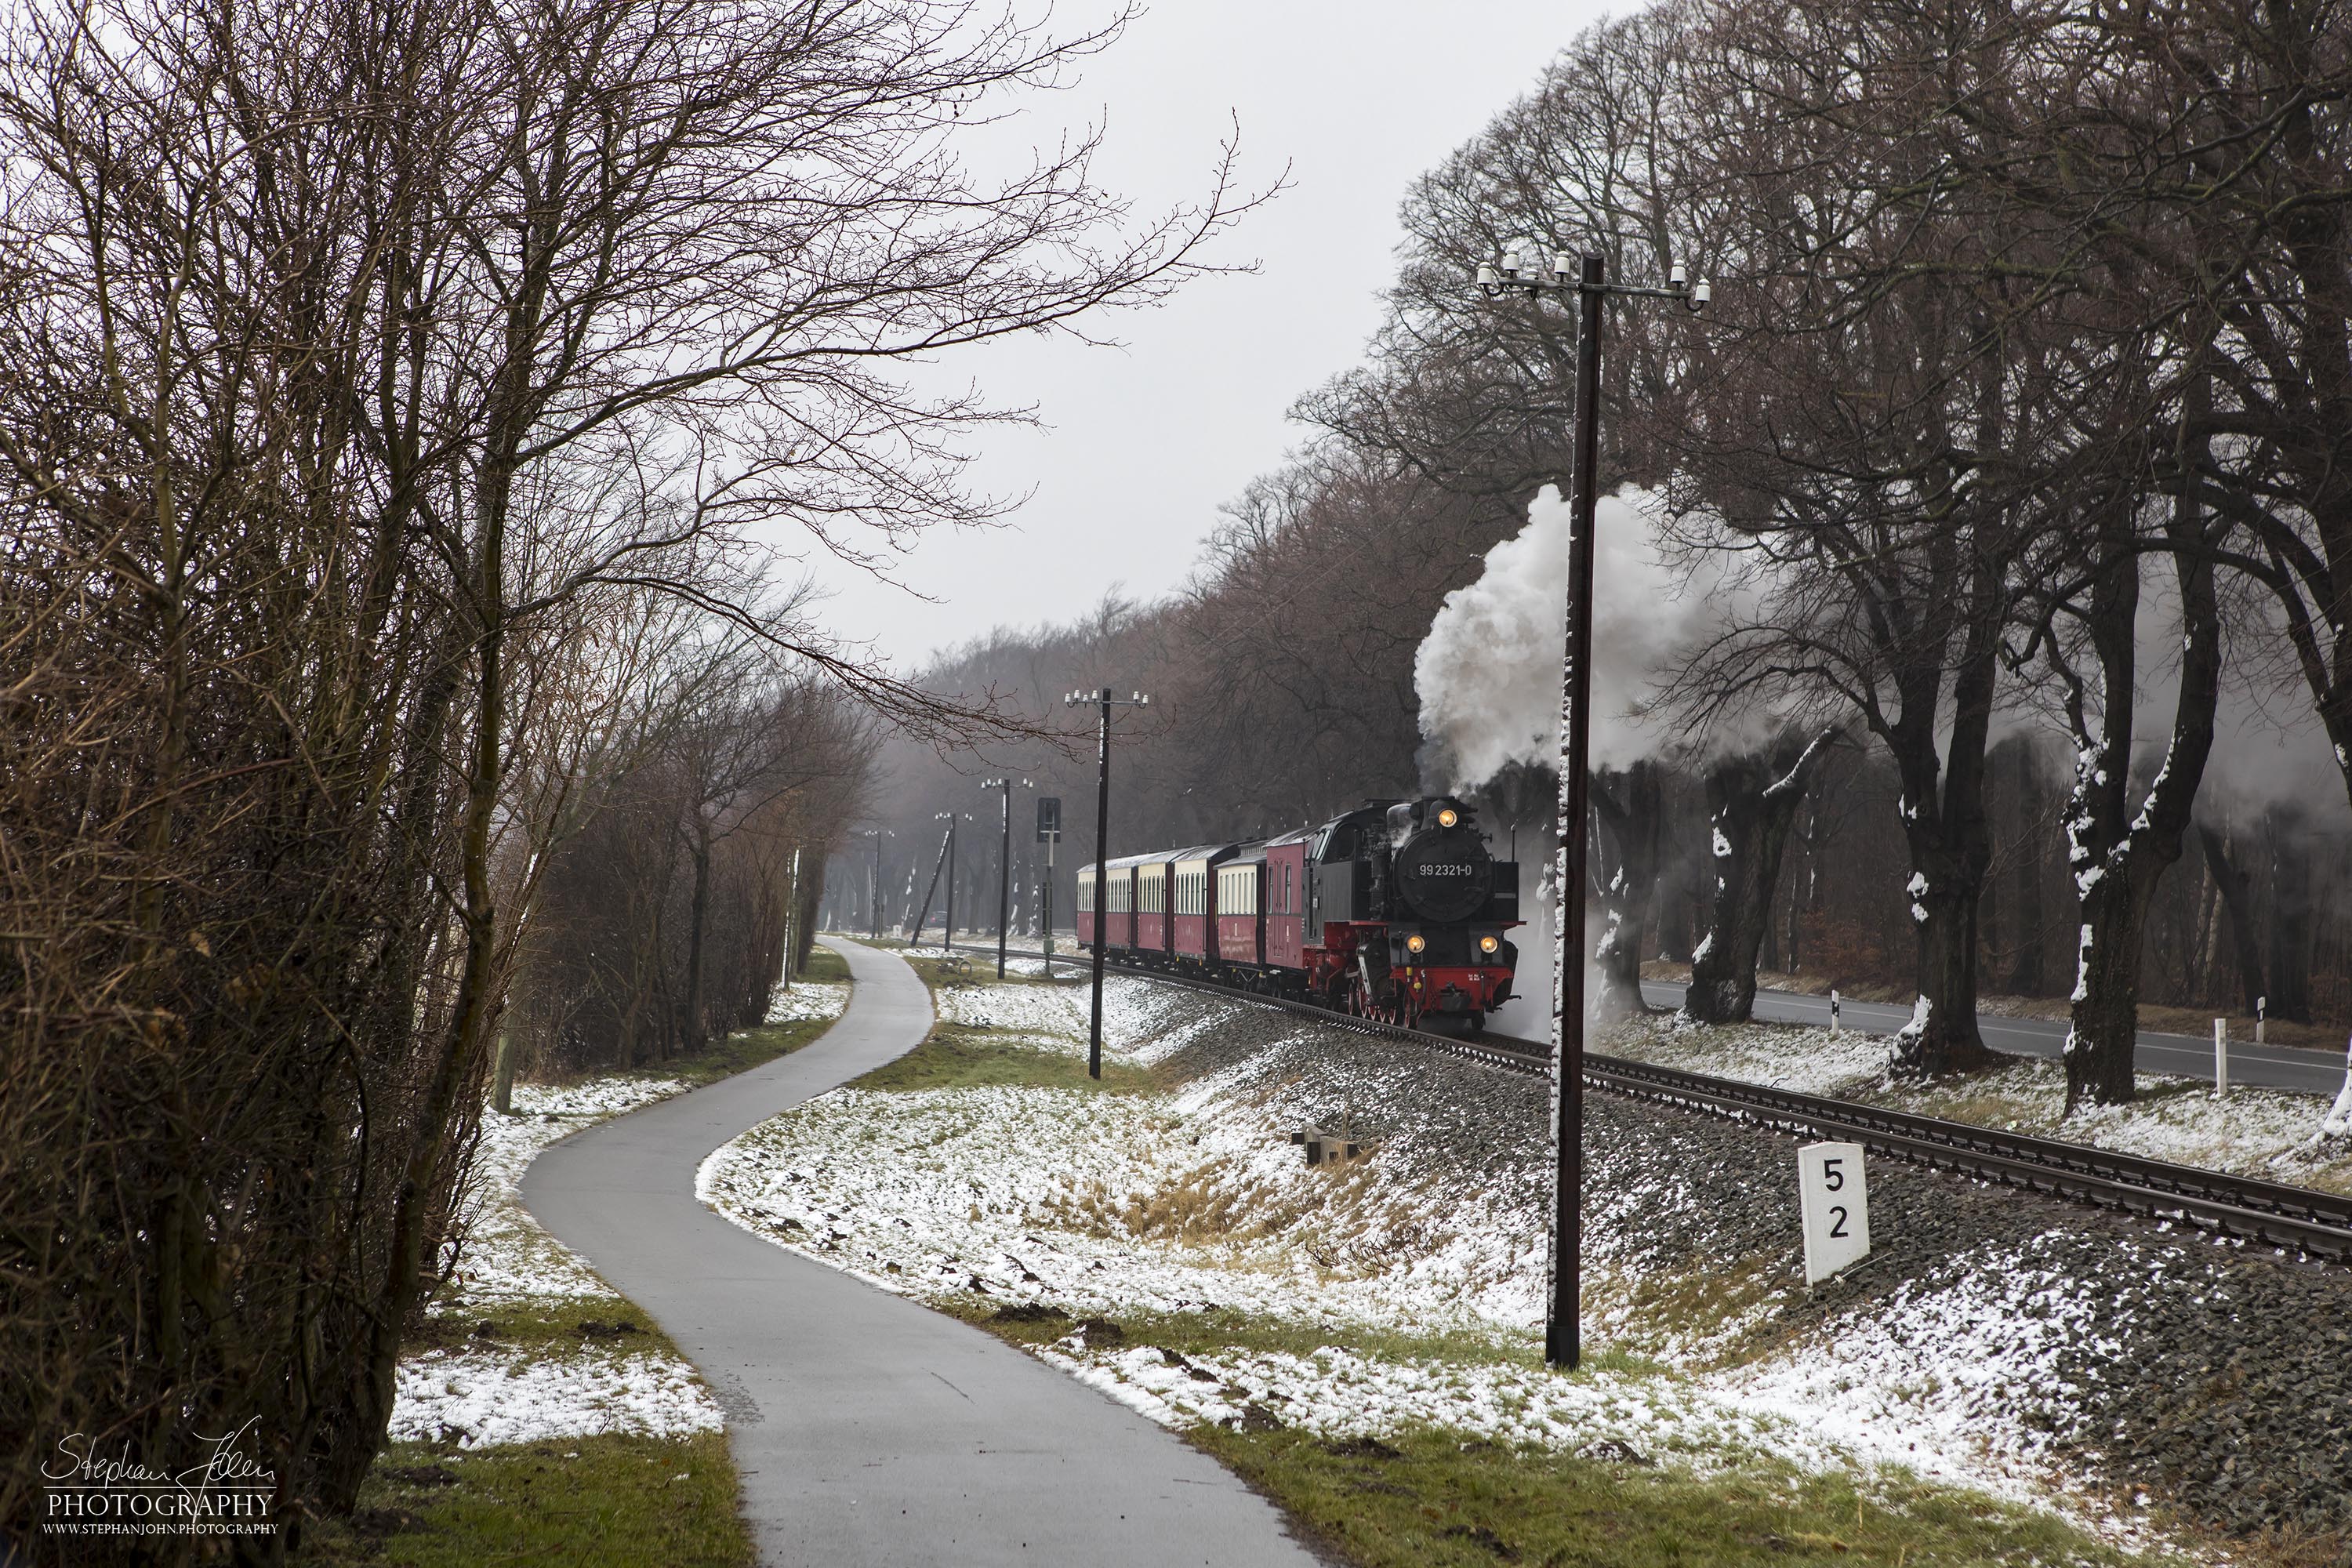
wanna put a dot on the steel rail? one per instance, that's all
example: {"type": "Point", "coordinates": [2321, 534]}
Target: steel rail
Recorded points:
{"type": "Point", "coordinates": [2302, 1220]}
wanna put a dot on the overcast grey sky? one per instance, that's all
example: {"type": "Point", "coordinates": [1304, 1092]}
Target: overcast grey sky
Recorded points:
{"type": "Point", "coordinates": [1141, 443]}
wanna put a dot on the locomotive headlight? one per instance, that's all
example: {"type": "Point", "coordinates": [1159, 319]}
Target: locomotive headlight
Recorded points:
{"type": "Point", "coordinates": [1448, 817]}
{"type": "Point", "coordinates": [1490, 943]}
{"type": "Point", "coordinates": [1415, 943]}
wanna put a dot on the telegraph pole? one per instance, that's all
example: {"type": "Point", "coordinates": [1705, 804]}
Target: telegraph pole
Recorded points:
{"type": "Point", "coordinates": [1563, 1327]}
{"type": "Point", "coordinates": [874, 913]}
{"type": "Point", "coordinates": [1102, 696]}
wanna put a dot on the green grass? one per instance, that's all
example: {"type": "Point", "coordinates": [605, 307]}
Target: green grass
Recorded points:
{"type": "Point", "coordinates": [1210, 1332]}
{"type": "Point", "coordinates": [959, 1056]}
{"type": "Point", "coordinates": [748, 1049]}
{"type": "Point", "coordinates": [1432, 1498]}
{"type": "Point", "coordinates": [608, 1502]}
{"type": "Point", "coordinates": [544, 1326]}
{"type": "Point", "coordinates": [824, 967]}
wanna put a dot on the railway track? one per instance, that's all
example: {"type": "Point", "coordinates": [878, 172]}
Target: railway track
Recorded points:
{"type": "Point", "coordinates": [2298, 1220]}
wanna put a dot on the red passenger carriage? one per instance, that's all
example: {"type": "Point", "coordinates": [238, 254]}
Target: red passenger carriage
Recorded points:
{"type": "Point", "coordinates": [1393, 911]}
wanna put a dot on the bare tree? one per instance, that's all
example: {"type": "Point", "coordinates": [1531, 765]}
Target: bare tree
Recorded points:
{"type": "Point", "coordinates": [355, 354]}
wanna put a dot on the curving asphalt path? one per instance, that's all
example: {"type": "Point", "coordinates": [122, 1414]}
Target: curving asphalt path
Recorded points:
{"type": "Point", "coordinates": [867, 1429]}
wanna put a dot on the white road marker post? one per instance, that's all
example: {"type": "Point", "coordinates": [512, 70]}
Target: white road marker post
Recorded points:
{"type": "Point", "coordinates": [1833, 1010]}
{"type": "Point", "coordinates": [2261, 1017]}
{"type": "Point", "coordinates": [2221, 1056]}
{"type": "Point", "coordinates": [1834, 1204]}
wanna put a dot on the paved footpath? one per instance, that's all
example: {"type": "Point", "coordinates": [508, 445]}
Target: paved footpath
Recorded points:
{"type": "Point", "coordinates": [869, 1429]}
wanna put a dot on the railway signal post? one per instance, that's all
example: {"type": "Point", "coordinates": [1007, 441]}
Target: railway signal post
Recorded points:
{"type": "Point", "coordinates": [1049, 833]}
{"type": "Point", "coordinates": [1524, 272]}
{"type": "Point", "coordinates": [1005, 866]}
{"type": "Point", "coordinates": [1102, 697]}
{"type": "Point", "coordinates": [946, 941]}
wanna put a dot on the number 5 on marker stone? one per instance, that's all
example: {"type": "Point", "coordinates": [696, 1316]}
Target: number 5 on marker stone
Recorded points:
{"type": "Point", "coordinates": [1833, 1202]}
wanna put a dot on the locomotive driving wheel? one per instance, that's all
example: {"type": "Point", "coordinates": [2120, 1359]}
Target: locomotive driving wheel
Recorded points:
{"type": "Point", "coordinates": [1365, 1002]}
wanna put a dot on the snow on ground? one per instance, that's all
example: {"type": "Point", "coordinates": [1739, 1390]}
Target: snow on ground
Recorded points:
{"type": "Point", "coordinates": [809, 999]}
{"type": "Point", "coordinates": [1808, 1061]}
{"type": "Point", "coordinates": [1192, 1201]}
{"type": "Point", "coordinates": [1153, 1021]}
{"type": "Point", "coordinates": [1939, 1367]}
{"type": "Point", "coordinates": [473, 1398]}
{"type": "Point", "coordinates": [1096, 1203]}
{"type": "Point", "coordinates": [1336, 1393]}
{"type": "Point", "coordinates": [2260, 1133]}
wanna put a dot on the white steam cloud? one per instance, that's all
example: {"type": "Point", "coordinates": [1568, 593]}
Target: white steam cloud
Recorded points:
{"type": "Point", "coordinates": [1488, 674]}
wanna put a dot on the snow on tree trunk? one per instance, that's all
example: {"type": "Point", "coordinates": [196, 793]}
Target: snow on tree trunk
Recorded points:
{"type": "Point", "coordinates": [1628, 808]}
{"type": "Point", "coordinates": [1942, 1036]}
{"type": "Point", "coordinates": [1752, 800]}
{"type": "Point", "coordinates": [2338, 1123]}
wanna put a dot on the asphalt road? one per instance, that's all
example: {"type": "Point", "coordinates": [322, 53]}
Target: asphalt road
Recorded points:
{"type": "Point", "coordinates": [2183, 1055]}
{"type": "Point", "coordinates": [869, 1430]}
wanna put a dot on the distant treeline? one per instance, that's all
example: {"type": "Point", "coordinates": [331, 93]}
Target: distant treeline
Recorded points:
{"type": "Point", "coordinates": [2015, 435]}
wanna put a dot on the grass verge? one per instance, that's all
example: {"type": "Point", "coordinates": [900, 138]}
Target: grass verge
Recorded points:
{"type": "Point", "coordinates": [1436, 1497]}
{"type": "Point", "coordinates": [1433, 1495]}
{"type": "Point", "coordinates": [971, 1055]}
{"type": "Point", "coordinates": [539, 1327]}
{"type": "Point", "coordinates": [610, 1501]}
{"type": "Point", "coordinates": [1431, 1499]}
{"type": "Point", "coordinates": [748, 1049]}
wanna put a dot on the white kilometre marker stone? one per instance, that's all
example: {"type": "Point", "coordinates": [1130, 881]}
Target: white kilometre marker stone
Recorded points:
{"type": "Point", "coordinates": [1835, 1204]}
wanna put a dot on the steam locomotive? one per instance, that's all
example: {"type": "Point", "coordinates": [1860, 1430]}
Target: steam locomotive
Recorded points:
{"type": "Point", "coordinates": [1393, 911]}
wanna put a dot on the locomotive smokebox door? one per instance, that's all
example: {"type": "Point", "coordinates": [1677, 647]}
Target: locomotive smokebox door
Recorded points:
{"type": "Point", "coordinates": [1049, 818]}
{"type": "Point", "coordinates": [1438, 863]}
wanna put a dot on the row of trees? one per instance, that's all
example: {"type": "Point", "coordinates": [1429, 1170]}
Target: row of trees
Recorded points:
{"type": "Point", "coordinates": [395, 395]}
{"type": "Point", "coordinates": [663, 921]}
{"type": "Point", "coordinates": [2024, 309]}
{"type": "Point", "coordinates": [2018, 413]}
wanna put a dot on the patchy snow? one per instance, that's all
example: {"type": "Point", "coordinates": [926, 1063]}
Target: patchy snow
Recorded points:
{"type": "Point", "coordinates": [1336, 1393]}
{"type": "Point", "coordinates": [1808, 1061]}
{"type": "Point", "coordinates": [1722, 845]}
{"type": "Point", "coordinates": [809, 999]}
{"type": "Point", "coordinates": [1103, 1203]}
{"type": "Point", "coordinates": [473, 1398]}
{"type": "Point", "coordinates": [1925, 1379]}
{"type": "Point", "coordinates": [1024, 1009]}
{"type": "Point", "coordinates": [1194, 1201]}
{"type": "Point", "coordinates": [2252, 1132]}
